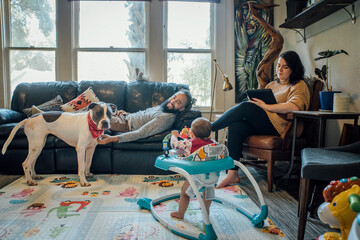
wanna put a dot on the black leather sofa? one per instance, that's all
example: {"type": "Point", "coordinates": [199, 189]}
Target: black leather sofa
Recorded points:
{"type": "Point", "coordinates": [136, 157]}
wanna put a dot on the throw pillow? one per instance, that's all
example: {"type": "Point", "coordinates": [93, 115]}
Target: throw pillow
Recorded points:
{"type": "Point", "coordinates": [35, 110]}
{"type": "Point", "coordinates": [81, 101]}
{"type": "Point", "coordinates": [52, 105]}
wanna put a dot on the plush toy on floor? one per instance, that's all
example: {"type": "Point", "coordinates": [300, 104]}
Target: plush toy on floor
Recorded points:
{"type": "Point", "coordinates": [342, 204]}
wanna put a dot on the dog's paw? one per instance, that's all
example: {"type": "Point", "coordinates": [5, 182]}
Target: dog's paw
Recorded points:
{"type": "Point", "coordinates": [85, 184]}
{"type": "Point", "coordinates": [89, 175]}
{"type": "Point", "coordinates": [31, 183]}
{"type": "Point", "coordinates": [36, 177]}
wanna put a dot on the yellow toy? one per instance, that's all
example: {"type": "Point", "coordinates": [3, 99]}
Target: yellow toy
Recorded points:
{"type": "Point", "coordinates": [342, 204]}
{"type": "Point", "coordinates": [185, 133]}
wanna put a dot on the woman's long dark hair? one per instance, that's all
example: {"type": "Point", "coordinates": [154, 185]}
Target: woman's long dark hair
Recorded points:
{"type": "Point", "coordinates": [294, 63]}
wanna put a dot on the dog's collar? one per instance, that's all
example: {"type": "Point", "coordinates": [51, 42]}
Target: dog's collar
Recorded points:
{"type": "Point", "coordinates": [95, 132]}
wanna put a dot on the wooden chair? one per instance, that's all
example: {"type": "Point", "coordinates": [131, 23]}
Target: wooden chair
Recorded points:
{"type": "Point", "coordinates": [268, 149]}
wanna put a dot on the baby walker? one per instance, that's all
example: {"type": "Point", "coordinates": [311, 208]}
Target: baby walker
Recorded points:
{"type": "Point", "coordinates": [209, 159]}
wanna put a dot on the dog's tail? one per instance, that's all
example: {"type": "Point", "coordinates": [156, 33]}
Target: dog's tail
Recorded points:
{"type": "Point", "coordinates": [11, 136]}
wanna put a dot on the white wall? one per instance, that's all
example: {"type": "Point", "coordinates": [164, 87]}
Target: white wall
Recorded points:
{"type": "Point", "coordinates": [333, 32]}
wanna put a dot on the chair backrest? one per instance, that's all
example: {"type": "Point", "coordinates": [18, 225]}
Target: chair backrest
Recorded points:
{"type": "Point", "coordinates": [315, 86]}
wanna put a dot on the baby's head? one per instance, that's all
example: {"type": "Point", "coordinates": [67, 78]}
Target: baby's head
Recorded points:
{"type": "Point", "coordinates": [200, 128]}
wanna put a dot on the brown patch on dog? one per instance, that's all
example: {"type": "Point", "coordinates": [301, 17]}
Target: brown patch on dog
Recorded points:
{"type": "Point", "coordinates": [51, 116]}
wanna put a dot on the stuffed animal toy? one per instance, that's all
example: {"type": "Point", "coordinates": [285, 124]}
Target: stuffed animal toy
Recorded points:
{"type": "Point", "coordinates": [342, 204]}
{"type": "Point", "coordinates": [140, 75]}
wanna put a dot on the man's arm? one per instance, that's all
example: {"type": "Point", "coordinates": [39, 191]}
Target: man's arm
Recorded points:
{"type": "Point", "coordinates": [157, 125]}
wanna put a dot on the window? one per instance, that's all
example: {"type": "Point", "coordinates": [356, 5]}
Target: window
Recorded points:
{"type": "Point", "coordinates": [64, 40]}
{"type": "Point", "coordinates": [111, 40]}
{"type": "Point", "coordinates": [32, 41]}
{"type": "Point", "coordinates": [189, 47]}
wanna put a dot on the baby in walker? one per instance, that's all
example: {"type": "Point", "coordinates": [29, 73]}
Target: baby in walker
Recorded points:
{"type": "Point", "coordinates": [200, 132]}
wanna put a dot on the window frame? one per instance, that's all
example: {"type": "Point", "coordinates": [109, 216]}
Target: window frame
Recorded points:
{"type": "Point", "coordinates": [66, 50]}
{"type": "Point", "coordinates": [77, 49]}
{"type": "Point", "coordinates": [210, 51]}
{"type": "Point", "coordinates": [7, 48]}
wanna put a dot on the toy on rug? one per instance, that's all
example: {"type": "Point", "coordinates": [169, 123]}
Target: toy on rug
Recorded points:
{"type": "Point", "coordinates": [342, 204]}
{"type": "Point", "coordinates": [209, 159]}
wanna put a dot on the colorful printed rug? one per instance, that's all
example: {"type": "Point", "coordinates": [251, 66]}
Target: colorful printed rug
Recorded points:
{"type": "Point", "coordinates": [58, 208]}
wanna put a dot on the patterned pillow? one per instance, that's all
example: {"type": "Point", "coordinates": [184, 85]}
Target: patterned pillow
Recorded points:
{"type": "Point", "coordinates": [52, 105]}
{"type": "Point", "coordinates": [81, 101]}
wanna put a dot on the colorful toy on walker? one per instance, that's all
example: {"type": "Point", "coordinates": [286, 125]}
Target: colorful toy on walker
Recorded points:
{"type": "Point", "coordinates": [342, 204]}
{"type": "Point", "coordinates": [207, 162]}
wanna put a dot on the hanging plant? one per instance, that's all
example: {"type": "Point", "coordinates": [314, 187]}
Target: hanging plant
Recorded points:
{"type": "Point", "coordinates": [323, 73]}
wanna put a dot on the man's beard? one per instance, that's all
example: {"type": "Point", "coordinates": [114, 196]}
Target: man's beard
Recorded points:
{"type": "Point", "coordinates": [165, 109]}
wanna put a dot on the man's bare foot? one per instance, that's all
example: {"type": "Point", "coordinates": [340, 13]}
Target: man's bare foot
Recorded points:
{"type": "Point", "coordinates": [229, 179]}
{"type": "Point", "coordinates": [177, 215]}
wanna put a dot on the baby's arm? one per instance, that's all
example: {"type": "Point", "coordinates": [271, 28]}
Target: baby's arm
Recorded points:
{"type": "Point", "coordinates": [175, 133]}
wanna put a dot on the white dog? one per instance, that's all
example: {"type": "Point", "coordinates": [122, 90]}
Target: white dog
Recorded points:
{"type": "Point", "coordinates": [79, 130]}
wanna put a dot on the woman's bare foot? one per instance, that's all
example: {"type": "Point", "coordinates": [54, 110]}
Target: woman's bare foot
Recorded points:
{"type": "Point", "coordinates": [177, 215]}
{"type": "Point", "coordinates": [232, 177]}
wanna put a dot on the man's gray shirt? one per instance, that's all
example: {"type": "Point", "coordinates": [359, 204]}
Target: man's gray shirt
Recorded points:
{"type": "Point", "coordinates": [146, 123]}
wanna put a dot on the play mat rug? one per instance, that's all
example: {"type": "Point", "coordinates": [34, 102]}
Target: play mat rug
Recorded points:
{"type": "Point", "coordinates": [58, 208]}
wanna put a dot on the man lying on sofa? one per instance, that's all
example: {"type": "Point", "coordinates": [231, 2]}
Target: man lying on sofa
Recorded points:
{"type": "Point", "coordinates": [148, 122]}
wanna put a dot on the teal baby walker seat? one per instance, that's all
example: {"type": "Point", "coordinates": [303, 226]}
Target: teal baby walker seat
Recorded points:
{"type": "Point", "coordinates": [209, 159]}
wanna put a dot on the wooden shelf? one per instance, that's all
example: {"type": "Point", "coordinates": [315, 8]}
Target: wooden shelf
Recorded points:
{"type": "Point", "coordinates": [316, 12]}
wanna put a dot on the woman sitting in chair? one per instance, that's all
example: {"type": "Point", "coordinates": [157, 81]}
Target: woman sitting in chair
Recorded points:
{"type": "Point", "coordinates": [255, 117]}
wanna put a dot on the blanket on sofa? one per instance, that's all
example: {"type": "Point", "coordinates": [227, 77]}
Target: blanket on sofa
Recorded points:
{"type": "Point", "coordinates": [58, 208]}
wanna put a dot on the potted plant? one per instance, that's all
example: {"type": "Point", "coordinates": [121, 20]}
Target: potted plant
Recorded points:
{"type": "Point", "coordinates": [327, 97]}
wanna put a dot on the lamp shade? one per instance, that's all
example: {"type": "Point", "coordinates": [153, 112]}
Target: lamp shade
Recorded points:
{"type": "Point", "coordinates": [226, 86]}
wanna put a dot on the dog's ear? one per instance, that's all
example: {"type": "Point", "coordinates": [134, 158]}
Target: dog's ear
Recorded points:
{"type": "Point", "coordinates": [113, 107]}
{"type": "Point", "coordinates": [92, 105]}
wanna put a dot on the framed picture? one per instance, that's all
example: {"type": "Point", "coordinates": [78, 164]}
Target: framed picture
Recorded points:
{"type": "Point", "coordinates": [251, 44]}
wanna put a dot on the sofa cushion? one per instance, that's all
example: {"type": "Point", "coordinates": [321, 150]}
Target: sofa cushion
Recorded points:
{"type": "Point", "coordinates": [143, 94]}
{"type": "Point", "coordinates": [52, 105]}
{"type": "Point", "coordinates": [10, 116]}
{"type": "Point", "coordinates": [27, 94]}
{"type": "Point", "coordinates": [107, 91]}
{"type": "Point", "coordinates": [184, 119]}
{"type": "Point", "coordinates": [81, 101]}
{"type": "Point", "coordinates": [150, 143]}
{"type": "Point", "coordinates": [264, 142]}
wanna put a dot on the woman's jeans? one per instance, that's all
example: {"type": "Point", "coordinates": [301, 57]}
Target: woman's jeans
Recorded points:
{"type": "Point", "coordinates": [243, 120]}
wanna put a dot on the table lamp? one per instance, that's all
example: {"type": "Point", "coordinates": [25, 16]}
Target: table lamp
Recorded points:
{"type": "Point", "coordinates": [226, 86]}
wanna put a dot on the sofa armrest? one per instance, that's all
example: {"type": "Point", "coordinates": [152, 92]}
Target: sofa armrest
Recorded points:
{"type": "Point", "coordinates": [10, 116]}
{"type": "Point", "coordinates": [185, 119]}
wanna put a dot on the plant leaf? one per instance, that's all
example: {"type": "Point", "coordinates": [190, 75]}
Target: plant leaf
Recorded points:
{"type": "Point", "coordinates": [318, 72]}
{"type": "Point", "coordinates": [329, 53]}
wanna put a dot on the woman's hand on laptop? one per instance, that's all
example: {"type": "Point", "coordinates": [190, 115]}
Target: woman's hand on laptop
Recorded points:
{"type": "Point", "coordinates": [258, 102]}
